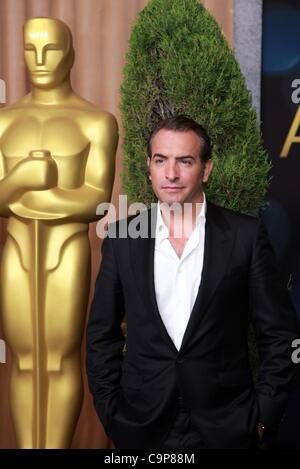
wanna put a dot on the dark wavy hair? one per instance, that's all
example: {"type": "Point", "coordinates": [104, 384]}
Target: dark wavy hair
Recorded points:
{"type": "Point", "coordinates": [183, 123]}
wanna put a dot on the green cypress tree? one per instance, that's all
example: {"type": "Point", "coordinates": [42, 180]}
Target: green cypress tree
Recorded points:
{"type": "Point", "coordinates": [179, 63]}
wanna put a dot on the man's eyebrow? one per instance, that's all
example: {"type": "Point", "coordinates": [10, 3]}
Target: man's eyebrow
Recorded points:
{"type": "Point", "coordinates": [159, 155]}
{"type": "Point", "coordinates": [184, 156]}
{"type": "Point", "coordinates": [176, 157]}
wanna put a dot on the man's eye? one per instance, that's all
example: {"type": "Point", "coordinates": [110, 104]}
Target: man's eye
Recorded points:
{"type": "Point", "coordinates": [186, 162]}
{"type": "Point", "coordinates": [158, 160]}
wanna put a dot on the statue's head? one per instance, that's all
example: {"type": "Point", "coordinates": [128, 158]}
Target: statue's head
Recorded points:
{"type": "Point", "coordinates": [48, 50]}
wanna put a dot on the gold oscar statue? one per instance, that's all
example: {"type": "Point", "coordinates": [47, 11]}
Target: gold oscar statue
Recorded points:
{"type": "Point", "coordinates": [57, 161]}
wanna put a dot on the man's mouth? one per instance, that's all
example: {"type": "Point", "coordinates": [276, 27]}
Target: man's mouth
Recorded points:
{"type": "Point", "coordinates": [172, 188]}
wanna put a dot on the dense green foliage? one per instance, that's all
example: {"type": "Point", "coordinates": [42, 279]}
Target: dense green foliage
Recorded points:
{"type": "Point", "coordinates": [179, 62]}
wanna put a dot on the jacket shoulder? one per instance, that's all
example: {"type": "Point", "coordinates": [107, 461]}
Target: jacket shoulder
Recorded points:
{"type": "Point", "coordinates": [233, 217]}
{"type": "Point", "coordinates": [246, 225]}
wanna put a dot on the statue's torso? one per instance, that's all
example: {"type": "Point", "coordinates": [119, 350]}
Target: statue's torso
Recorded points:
{"type": "Point", "coordinates": [64, 132]}
{"type": "Point", "coordinates": [59, 130]}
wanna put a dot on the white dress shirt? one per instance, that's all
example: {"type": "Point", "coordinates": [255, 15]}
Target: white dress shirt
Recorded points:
{"type": "Point", "coordinates": [177, 279]}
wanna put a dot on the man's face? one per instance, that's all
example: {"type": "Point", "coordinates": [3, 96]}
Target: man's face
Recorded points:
{"type": "Point", "coordinates": [175, 167]}
{"type": "Point", "coordinates": [47, 52]}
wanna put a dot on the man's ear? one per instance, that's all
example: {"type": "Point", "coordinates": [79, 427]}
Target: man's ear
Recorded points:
{"type": "Point", "coordinates": [148, 166]}
{"type": "Point", "coordinates": [207, 170]}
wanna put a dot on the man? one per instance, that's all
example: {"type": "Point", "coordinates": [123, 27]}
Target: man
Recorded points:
{"type": "Point", "coordinates": [185, 380]}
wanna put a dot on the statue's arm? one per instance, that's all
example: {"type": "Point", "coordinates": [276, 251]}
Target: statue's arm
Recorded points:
{"type": "Point", "coordinates": [4, 193]}
{"type": "Point", "coordinates": [79, 204]}
{"type": "Point", "coordinates": [25, 176]}
{"type": "Point", "coordinates": [9, 183]}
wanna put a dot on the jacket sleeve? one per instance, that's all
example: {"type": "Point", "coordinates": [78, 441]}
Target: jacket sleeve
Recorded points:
{"type": "Point", "coordinates": [105, 339]}
{"type": "Point", "coordinates": [275, 326]}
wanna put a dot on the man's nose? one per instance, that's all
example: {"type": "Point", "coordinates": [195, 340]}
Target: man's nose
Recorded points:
{"type": "Point", "coordinates": [172, 172]}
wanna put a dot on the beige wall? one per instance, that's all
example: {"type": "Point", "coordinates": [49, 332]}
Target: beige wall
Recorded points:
{"type": "Point", "coordinates": [101, 29]}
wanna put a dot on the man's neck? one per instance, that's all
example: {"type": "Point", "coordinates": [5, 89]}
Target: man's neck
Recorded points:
{"type": "Point", "coordinates": [182, 220]}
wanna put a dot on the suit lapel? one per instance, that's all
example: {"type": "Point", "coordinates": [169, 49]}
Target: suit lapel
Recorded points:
{"type": "Point", "coordinates": [142, 259]}
{"type": "Point", "coordinates": [219, 242]}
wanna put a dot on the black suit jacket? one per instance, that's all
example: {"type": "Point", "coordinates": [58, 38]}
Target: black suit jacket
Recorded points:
{"type": "Point", "coordinates": [135, 393]}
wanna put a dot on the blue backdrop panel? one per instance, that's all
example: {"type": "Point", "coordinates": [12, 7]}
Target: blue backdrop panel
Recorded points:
{"type": "Point", "coordinates": [280, 69]}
